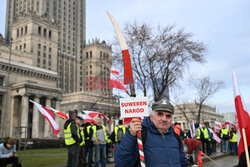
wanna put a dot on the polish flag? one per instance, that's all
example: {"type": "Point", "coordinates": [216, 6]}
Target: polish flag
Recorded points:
{"type": "Point", "coordinates": [61, 114]}
{"type": "Point", "coordinates": [116, 83]}
{"type": "Point", "coordinates": [87, 118]}
{"type": "Point", "coordinates": [215, 136]}
{"type": "Point", "coordinates": [49, 115]}
{"type": "Point", "coordinates": [242, 119]}
{"type": "Point", "coordinates": [230, 123]}
{"type": "Point", "coordinates": [93, 114]}
{"type": "Point", "coordinates": [200, 153]}
{"type": "Point", "coordinates": [219, 124]}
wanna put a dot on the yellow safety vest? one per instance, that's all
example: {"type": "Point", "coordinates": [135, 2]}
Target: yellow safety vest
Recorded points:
{"type": "Point", "coordinates": [234, 138]}
{"type": "Point", "coordinates": [223, 131]}
{"type": "Point", "coordinates": [83, 139]}
{"type": "Point", "coordinates": [205, 133]}
{"type": "Point", "coordinates": [88, 131]}
{"type": "Point", "coordinates": [116, 130]}
{"type": "Point", "coordinates": [199, 134]}
{"type": "Point", "coordinates": [69, 140]}
{"type": "Point", "coordinates": [104, 130]}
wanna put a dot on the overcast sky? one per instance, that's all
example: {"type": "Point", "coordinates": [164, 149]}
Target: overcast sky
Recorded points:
{"type": "Point", "coordinates": [222, 25]}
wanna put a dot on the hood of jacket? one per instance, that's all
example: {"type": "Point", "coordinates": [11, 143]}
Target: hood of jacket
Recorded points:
{"type": "Point", "coordinates": [67, 123]}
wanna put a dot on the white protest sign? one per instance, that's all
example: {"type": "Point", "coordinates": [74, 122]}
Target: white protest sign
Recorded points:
{"type": "Point", "coordinates": [134, 107]}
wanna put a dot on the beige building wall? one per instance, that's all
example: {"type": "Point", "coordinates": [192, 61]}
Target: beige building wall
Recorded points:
{"type": "Point", "coordinates": [208, 115]}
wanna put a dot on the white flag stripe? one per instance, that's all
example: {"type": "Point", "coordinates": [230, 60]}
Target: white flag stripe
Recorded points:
{"type": "Point", "coordinates": [190, 130]}
{"type": "Point", "coordinates": [45, 113]}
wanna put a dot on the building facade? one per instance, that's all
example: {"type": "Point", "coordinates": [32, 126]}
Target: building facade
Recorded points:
{"type": "Point", "coordinates": [69, 16]}
{"type": "Point", "coordinates": [208, 115]}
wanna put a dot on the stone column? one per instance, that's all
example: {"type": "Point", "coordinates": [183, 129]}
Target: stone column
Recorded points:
{"type": "Point", "coordinates": [12, 127]}
{"type": "Point", "coordinates": [24, 115]}
{"type": "Point", "coordinates": [47, 128]}
{"type": "Point", "coordinates": [35, 121]}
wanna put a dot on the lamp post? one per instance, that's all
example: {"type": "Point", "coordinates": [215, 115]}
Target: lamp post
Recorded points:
{"type": "Point", "coordinates": [7, 92]}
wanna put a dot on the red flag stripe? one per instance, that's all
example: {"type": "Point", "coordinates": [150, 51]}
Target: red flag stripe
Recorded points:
{"type": "Point", "coordinates": [128, 74]}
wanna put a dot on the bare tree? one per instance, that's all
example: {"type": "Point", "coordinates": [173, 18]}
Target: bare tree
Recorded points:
{"type": "Point", "coordinates": [159, 57]}
{"type": "Point", "coordinates": [205, 89]}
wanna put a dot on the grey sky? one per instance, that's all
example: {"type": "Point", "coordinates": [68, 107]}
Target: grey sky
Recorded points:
{"type": "Point", "coordinates": [223, 25]}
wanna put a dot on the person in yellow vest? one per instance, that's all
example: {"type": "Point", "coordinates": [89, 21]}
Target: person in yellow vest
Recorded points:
{"type": "Point", "coordinates": [233, 141]}
{"type": "Point", "coordinates": [100, 139]}
{"type": "Point", "coordinates": [81, 157]}
{"type": "Point", "coordinates": [72, 139]}
{"type": "Point", "coordinates": [88, 133]}
{"type": "Point", "coordinates": [206, 139]}
{"type": "Point", "coordinates": [224, 135]}
{"type": "Point", "coordinates": [118, 133]}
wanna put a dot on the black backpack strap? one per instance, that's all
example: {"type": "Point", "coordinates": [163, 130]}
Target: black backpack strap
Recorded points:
{"type": "Point", "coordinates": [178, 139]}
{"type": "Point", "coordinates": [144, 135]}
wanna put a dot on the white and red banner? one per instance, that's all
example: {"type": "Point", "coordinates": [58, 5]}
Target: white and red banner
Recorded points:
{"type": "Point", "coordinates": [87, 118]}
{"type": "Point", "coordinates": [215, 136]}
{"type": "Point", "coordinates": [61, 114]}
{"type": "Point", "coordinates": [134, 107]}
{"type": "Point", "coordinates": [230, 123]}
{"type": "Point", "coordinates": [93, 114]}
{"type": "Point", "coordinates": [49, 115]}
{"type": "Point", "coordinates": [242, 118]}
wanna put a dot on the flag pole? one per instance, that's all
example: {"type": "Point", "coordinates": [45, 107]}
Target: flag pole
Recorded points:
{"type": "Point", "coordinates": [211, 160]}
{"type": "Point", "coordinates": [245, 145]}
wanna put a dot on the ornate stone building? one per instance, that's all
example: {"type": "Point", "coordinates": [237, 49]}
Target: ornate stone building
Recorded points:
{"type": "Point", "coordinates": [208, 115]}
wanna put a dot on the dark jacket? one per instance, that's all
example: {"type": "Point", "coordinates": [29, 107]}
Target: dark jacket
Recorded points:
{"type": "Point", "coordinates": [160, 150]}
{"type": "Point", "coordinates": [73, 128]}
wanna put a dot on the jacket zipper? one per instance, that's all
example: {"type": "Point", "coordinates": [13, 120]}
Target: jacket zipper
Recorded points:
{"type": "Point", "coordinates": [167, 148]}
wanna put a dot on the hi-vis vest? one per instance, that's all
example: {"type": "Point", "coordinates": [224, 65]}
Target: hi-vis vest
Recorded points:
{"type": "Point", "coordinates": [199, 134]}
{"type": "Point", "coordinates": [116, 130]}
{"type": "Point", "coordinates": [83, 139]}
{"type": "Point", "coordinates": [69, 140]}
{"type": "Point", "coordinates": [223, 131]}
{"type": "Point", "coordinates": [88, 131]}
{"type": "Point", "coordinates": [205, 132]}
{"type": "Point", "coordinates": [234, 138]}
{"type": "Point", "coordinates": [104, 130]}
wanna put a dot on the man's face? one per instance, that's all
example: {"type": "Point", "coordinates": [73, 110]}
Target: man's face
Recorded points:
{"type": "Point", "coordinates": [73, 116]}
{"type": "Point", "coordinates": [162, 120]}
{"type": "Point", "coordinates": [203, 125]}
{"type": "Point", "coordinates": [97, 120]}
{"type": "Point", "coordinates": [9, 145]}
{"type": "Point", "coordinates": [78, 121]}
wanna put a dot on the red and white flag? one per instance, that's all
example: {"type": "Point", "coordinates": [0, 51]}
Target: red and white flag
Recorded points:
{"type": "Point", "coordinates": [93, 114]}
{"type": "Point", "coordinates": [242, 119]}
{"type": "Point", "coordinates": [215, 136]}
{"type": "Point", "coordinates": [61, 114]}
{"type": "Point", "coordinates": [230, 123]}
{"type": "Point", "coordinates": [49, 115]}
{"type": "Point", "coordinates": [87, 118]}
{"type": "Point", "coordinates": [219, 124]}
{"type": "Point", "coordinates": [114, 82]}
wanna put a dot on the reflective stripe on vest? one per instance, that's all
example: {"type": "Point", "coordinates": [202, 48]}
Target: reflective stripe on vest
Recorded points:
{"type": "Point", "coordinates": [234, 138]}
{"type": "Point", "coordinates": [199, 134]}
{"type": "Point", "coordinates": [223, 131]}
{"type": "Point", "coordinates": [116, 130]}
{"type": "Point", "coordinates": [205, 133]}
{"type": "Point", "coordinates": [69, 140]}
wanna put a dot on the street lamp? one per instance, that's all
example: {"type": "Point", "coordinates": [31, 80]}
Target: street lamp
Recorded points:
{"type": "Point", "coordinates": [7, 91]}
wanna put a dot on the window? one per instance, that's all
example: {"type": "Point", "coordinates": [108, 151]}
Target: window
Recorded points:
{"type": "Point", "coordinates": [1, 81]}
{"type": "Point", "coordinates": [44, 32]}
{"type": "Point", "coordinates": [26, 29]}
{"type": "Point", "coordinates": [21, 31]}
{"type": "Point", "coordinates": [39, 46]}
{"type": "Point", "coordinates": [17, 33]}
{"type": "Point", "coordinates": [90, 54]}
{"type": "Point", "coordinates": [49, 63]}
{"type": "Point", "coordinates": [1, 100]}
{"type": "Point", "coordinates": [50, 49]}
{"type": "Point", "coordinates": [90, 66]}
{"type": "Point", "coordinates": [50, 34]}
{"type": "Point", "coordinates": [44, 55]}
{"type": "Point", "coordinates": [100, 55]}
{"type": "Point", "coordinates": [44, 48]}
{"type": "Point", "coordinates": [44, 61]}
{"type": "Point", "coordinates": [39, 30]}
{"type": "Point", "coordinates": [24, 46]}
{"type": "Point", "coordinates": [49, 56]}
{"type": "Point", "coordinates": [87, 55]}
{"type": "Point", "coordinates": [38, 53]}
{"type": "Point", "coordinates": [38, 60]}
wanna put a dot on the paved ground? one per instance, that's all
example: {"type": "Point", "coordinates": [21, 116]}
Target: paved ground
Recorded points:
{"type": "Point", "coordinates": [226, 161]}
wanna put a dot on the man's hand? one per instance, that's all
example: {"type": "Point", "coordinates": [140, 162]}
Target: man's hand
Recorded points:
{"type": "Point", "coordinates": [135, 126]}
{"type": "Point", "coordinates": [96, 142]}
{"type": "Point", "coordinates": [11, 154]}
